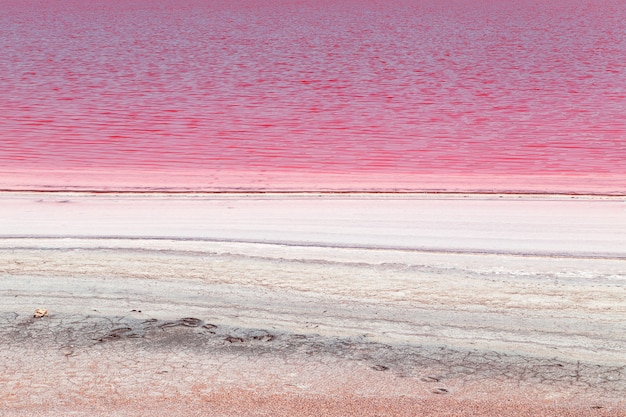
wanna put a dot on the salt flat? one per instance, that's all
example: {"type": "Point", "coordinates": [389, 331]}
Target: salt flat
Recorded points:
{"type": "Point", "coordinates": [503, 224]}
{"type": "Point", "coordinates": [393, 297]}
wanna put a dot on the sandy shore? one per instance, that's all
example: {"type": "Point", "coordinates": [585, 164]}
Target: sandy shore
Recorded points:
{"type": "Point", "coordinates": [204, 304]}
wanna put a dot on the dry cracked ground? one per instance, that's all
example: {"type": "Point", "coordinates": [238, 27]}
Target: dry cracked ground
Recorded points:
{"type": "Point", "coordinates": [95, 363]}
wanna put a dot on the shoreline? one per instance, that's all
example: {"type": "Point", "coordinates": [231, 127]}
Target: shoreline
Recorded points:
{"type": "Point", "coordinates": [253, 305]}
{"type": "Point", "coordinates": [319, 193]}
{"type": "Point", "coordinates": [231, 181]}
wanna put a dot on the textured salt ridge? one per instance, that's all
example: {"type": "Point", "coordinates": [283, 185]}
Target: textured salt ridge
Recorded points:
{"type": "Point", "coordinates": [297, 244]}
{"type": "Point", "coordinates": [452, 191]}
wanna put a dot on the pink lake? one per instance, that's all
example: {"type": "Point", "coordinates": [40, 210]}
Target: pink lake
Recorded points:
{"type": "Point", "coordinates": [313, 95]}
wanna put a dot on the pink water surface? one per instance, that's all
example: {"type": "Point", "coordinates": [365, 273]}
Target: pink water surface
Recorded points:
{"type": "Point", "coordinates": [310, 94]}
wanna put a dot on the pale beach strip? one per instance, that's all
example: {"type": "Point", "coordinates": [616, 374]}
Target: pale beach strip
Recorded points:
{"type": "Point", "coordinates": [312, 304]}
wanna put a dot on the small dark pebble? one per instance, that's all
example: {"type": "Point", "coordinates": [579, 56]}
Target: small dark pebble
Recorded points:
{"type": "Point", "coordinates": [120, 330]}
{"type": "Point", "coordinates": [169, 324]}
{"type": "Point", "coordinates": [232, 339]}
{"type": "Point", "coordinates": [264, 338]}
{"type": "Point", "coordinates": [190, 321]}
{"type": "Point", "coordinates": [380, 367]}
{"type": "Point", "coordinates": [109, 337]}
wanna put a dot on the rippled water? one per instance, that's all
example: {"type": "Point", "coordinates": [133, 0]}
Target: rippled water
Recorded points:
{"type": "Point", "coordinates": [310, 88]}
